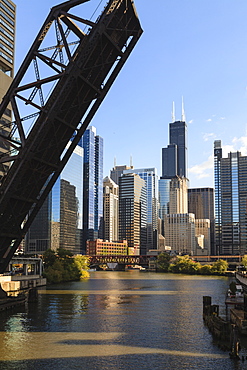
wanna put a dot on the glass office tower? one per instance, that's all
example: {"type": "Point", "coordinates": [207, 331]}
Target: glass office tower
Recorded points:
{"type": "Point", "coordinates": [164, 198]}
{"type": "Point", "coordinates": [151, 178]}
{"type": "Point", "coordinates": [58, 224]}
{"type": "Point", "coordinates": [67, 195]}
{"type": "Point", "coordinates": [38, 237]}
{"type": "Point", "coordinates": [230, 202]}
{"type": "Point", "coordinates": [92, 186]}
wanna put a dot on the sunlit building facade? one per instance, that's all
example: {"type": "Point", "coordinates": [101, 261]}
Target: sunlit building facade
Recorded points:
{"type": "Point", "coordinates": [180, 233]}
{"type": "Point", "coordinates": [92, 186]}
{"type": "Point", "coordinates": [110, 206]}
{"type": "Point", "coordinates": [7, 49]}
{"type": "Point", "coordinates": [133, 212]}
{"type": "Point", "coordinates": [117, 172]}
{"type": "Point", "coordinates": [230, 175]}
{"type": "Point", "coordinates": [178, 199]}
{"type": "Point", "coordinates": [101, 247]}
{"type": "Point", "coordinates": [201, 203]}
{"type": "Point", "coordinates": [202, 228]}
{"type": "Point", "coordinates": [149, 175]}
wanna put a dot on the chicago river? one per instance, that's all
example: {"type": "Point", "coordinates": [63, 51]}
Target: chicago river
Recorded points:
{"type": "Point", "coordinates": [117, 320]}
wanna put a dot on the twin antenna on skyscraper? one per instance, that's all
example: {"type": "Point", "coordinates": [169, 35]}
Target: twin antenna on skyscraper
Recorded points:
{"type": "Point", "coordinates": [173, 111]}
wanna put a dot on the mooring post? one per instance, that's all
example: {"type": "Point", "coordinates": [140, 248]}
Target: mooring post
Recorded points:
{"type": "Point", "coordinates": [206, 306]}
{"type": "Point", "coordinates": [234, 343]}
{"type": "Point", "coordinates": [33, 295]}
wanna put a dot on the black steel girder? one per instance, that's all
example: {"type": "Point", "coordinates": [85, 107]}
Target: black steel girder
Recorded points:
{"type": "Point", "coordinates": [76, 89]}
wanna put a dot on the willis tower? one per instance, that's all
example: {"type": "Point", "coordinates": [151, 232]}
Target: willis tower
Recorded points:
{"type": "Point", "coordinates": [174, 156]}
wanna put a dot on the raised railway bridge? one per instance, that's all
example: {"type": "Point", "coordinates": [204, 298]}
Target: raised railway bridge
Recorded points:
{"type": "Point", "coordinates": [144, 260]}
{"type": "Point", "coordinates": [64, 78]}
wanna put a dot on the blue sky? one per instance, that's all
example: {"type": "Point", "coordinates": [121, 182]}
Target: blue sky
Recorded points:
{"type": "Point", "coordinates": [191, 48]}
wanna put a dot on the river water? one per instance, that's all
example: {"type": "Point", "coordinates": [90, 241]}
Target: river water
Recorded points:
{"type": "Point", "coordinates": [117, 320]}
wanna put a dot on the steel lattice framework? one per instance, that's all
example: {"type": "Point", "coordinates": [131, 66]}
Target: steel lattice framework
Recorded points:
{"type": "Point", "coordinates": [69, 81]}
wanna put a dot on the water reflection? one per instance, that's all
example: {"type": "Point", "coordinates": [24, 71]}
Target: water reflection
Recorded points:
{"type": "Point", "coordinates": [129, 321]}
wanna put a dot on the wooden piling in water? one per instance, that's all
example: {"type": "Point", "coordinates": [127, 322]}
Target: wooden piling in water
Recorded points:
{"type": "Point", "coordinates": [220, 328]}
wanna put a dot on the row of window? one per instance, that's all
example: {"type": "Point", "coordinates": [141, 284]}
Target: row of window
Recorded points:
{"type": "Point", "coordinates": [11, 6]}
{"type": "Point", "coordinates": [7, 18]}
{"type": "Point", "coordinates": [5, 33]}
{"type": "Point", "coordinates": [7, 11]}
{"type": "Point", "coordinates": [6, 49]}
{"type": "Point", "coordinates": [7, 26]}
{"type": "Point", "coordinates": [2, 38]}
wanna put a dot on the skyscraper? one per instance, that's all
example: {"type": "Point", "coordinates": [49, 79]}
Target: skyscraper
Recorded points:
{"type": "Point", "coordinates": [38, 237]}
{"type": "Point", "coordinates": [202, 229]}
{"type": "Point", "coordinates": [110, 206]}
{"type": "Point", "coordinates": [117, 172]}
{"type": "Point", "coordinates": [174, 164]}
{"type": "Point", "coordinates": [201, 203]}
{"type": "Point", "coordinates": [180, 232]}
{"type": "Point", "coordinates": [7, 43]}
{"type": "Point", "coordinates": [178, 199]}
{"type": "Point", "coordinates": [133, 212]}
{"type": "Point", "coordinates": [174, 156]}
{"type": "Point", "coordinates": [92, 186]}
{"type": "Point", "coordinates": [230, 176]}
{"type": "Point", "coordinates": [58, 224]}
{"type": "Point", "coordinates": [151, 178]}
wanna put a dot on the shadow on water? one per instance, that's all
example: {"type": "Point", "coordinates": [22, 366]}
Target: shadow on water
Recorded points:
{"type": "Point", "coordinates": [116, 321]}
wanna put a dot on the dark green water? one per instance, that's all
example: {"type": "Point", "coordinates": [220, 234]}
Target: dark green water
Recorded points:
{"type": "Point", "coordinates": [117, 320]}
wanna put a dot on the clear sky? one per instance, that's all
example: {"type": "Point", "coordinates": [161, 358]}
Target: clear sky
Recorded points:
{"type": "Point", "coordinates": [191, 48]}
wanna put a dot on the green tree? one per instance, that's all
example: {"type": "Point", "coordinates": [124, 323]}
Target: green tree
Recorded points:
{"type": "Point", "coordinates": [206, 270]}
{"type": "Point", "coordinates": [220, 266]}
{"type": "Point", "coordinates": [185, 265]}
{"type": "Point", "coordinates": [49, 258]}
{"type": "Point", "coordinates": [244, 260]}
{"type": "Point", "coordinates": [64, 253]}
{"type": "Point", "coordinates": [163, 261]}
{"type": "Point", "coordinates": [82, 264]}
{"type": "Point", "coordinates": [61, 266]}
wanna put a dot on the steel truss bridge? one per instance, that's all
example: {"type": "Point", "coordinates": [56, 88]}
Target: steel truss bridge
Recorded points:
{"type": "Point", "coordinates": [64, 78]}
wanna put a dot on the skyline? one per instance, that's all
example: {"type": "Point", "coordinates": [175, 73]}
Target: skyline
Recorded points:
{"type": "Point", "coordinates": [186, 50]}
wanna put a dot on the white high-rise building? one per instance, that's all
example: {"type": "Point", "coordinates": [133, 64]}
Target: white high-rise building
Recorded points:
{"type": "Point", "coordinates": [180, 232]}
{"type": "Point", "coordinates": [178, 202]}
{"type": "Point", "coordinates": [110, 209]}
{"type": "Point", "coordinates": [202, 227]}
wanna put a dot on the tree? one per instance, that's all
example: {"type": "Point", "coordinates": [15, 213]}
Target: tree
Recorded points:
{"type": "Point", "coordinates": [244, 260]}
{"type": "Point", "coordinates": [61, 266]}
{"type": "Point", "coordinates": [185, 265]}
{"type": "Point", "coordinates": [49, 257]}
{"type": "Point", "coordinates": [163, 261]}
{"type": "Point", "coordinates": [220, 266]}
{"type": "Point", "coordinates": [206, 270]}
{"type": "Point", "coordinates": [82, 264]}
